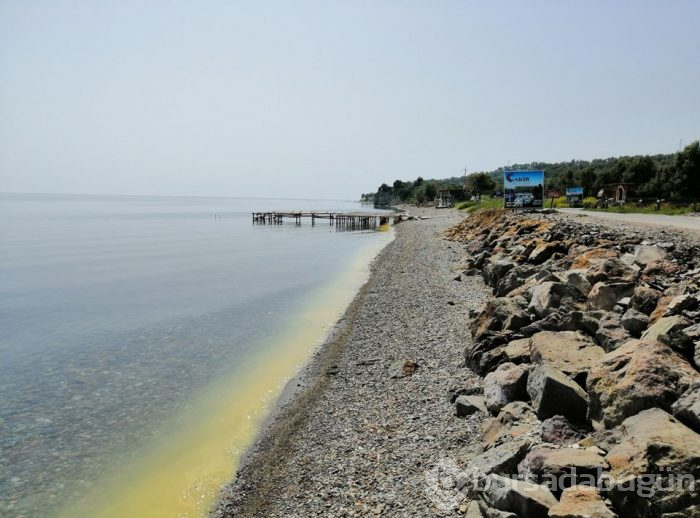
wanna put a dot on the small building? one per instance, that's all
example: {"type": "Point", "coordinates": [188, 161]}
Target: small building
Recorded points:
{"type": "Point", "coordinates": [446, 198]}
{"type": "Point", "coordinates": [617, 191]}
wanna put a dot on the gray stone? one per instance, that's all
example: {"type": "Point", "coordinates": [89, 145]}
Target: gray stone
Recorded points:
{"type": "Point", "coordinates": [467, 405]}
{"type": "Point", "coordinates": [634, 321]}
{"type": "Point", "coordinates": [501, 459]}
{"type": "Point", "coordinates": [507, 383]}
{"type": "Point", "coordinates": [571, 352]}
{"type": "Point", "coordinates": [687, 408]}
{"type": "Point", "coordinates": [546, 297]}
{"type": "Point", "coordinates": [645, 299]}
{"type": "Point", "coordinates": [637, 376]}
{"type": "Point", "coordinates": [522, 498]}
{"type": "Point", "coordinates": [576, 278]}
{"type": "Point", "coordinates": [606, 295]}
{"type": "Point", "coordinates": [645, 254]}
{"type": "Point", "coordinates": [558, 430]}
{"type": "Point", "coordinates": [553, 393]}
{"type": "Point", "coordinates": [653, 442]}
{"type": "Point", "coordinates": [664, 327]}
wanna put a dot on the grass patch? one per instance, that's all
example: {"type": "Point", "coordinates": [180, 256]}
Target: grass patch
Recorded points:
{"type": "Point", "coordinates": [668, 209]}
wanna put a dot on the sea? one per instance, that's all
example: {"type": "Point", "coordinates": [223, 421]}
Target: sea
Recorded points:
{"type": "Point", "coordinates": [144, 339]}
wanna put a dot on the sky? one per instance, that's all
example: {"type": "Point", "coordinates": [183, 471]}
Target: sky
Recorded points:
{"type": "Point", "coordinates": [328, 99]}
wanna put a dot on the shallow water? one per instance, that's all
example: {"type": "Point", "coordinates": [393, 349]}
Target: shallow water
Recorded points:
{"type": "Point", "coordinates": [140, 339]}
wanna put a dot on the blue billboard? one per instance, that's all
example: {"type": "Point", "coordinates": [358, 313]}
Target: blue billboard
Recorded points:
{"type": "Point", "coordinates": [574, 191]}
{"type": "Point", "coordinates": [523, 189]}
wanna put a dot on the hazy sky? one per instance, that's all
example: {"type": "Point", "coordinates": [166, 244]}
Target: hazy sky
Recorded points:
{"type": "Point", "coordinates": [330, 98]}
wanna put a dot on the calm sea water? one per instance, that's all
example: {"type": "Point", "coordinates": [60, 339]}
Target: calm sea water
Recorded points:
{"type": "Point", "coordinates": [114, 311]}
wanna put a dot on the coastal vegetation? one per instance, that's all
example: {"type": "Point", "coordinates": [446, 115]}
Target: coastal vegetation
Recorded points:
{"type": "Point", "coordinates": [673, 177]}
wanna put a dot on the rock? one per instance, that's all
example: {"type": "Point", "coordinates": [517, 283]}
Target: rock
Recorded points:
{"type": "Point", "coordinates": [473, 510]}
{"type": "Point", "coordinates": [402, 369]}
{"type": "Point", "coordinates": [496, 269]}
{"type": "Point", "coordinates": [581, 502]}
{"type": "Point", "coordinates": [584, 465]}
{"type": "Point", "coordinates": [592, 256]}
{"type": "Point", "coordinates": [553, 393]}
{"type": "Point", "coordinates": [637, 376]}
{"type": "Point", "coordinates": [516, 351]}
{"type": "Point", "coordinates": [659, 269]}
{"type": "Point", "coordinates": [577, 279]}
{"type": "Point", "coordinates": [500, 314]}
{"type": "Point", "coordinates": [514, 279]}
{"type": "Point", "coordinates": [501, 459]}
{"type": "Point", "coordinates": [546, 297]}
{"type": "Point", "coordinates": [681, 303]}
{"type": "Point", "coordinates": [507, 383]}
{"type": "Point", "coordinates": [687, 408]}
{"type": "Point", "coordinates": [634, 321]}
{"type": "Point", "coordinates": [515, 420]}
{"type": "Point", "coordinates": [571, 352]}
{"type": "Point", "coordinates": [522, 498]}
{"type": "Point", "coordinates": [530, 468]}
{"type": "Point", "coordinates": [652, 447]}
{"type": "Point", "coordinates": [644, 299]}
{"type": "Point", "coordinates": [610, 333]}
{"type": "Point", "coordinates": [467, 405]}
{"type": "Point", "coordinates": [661, 307]}
{"type": "Point", "coordinates": [605, 295]}
{"type": "Point", "coordinates": [612, 270]}
{"type": "Point", "coordinates": [544, 251]}
{"type": "Point", "coordinates": [663, 328]}
{"type": "Point", "coordinates": [558, 430]}
{"type": "Point", "coordinates": [645, 254]}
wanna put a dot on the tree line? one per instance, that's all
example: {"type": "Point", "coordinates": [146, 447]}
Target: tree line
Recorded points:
{"type": "Point", "coordinates": [673, 177]}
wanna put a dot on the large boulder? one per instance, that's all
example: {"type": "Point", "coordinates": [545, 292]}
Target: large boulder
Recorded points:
{"type": "Point", "coordinates": [516, 351]}
{"type": "Point", "coordinates": [547, 296]}
{"type": "Point", "coordinates": [644, 299]}
{"type": "Point", "coordinates": [654, 450]}
{"type": "Point", "coordinates": [577, 279]}
{"type": "Point", "coordinates": [591, 257]}
{"type": "Point", "coordinates": [610, 332]}
{"type": "Point", "coordinates": [507, 383]}
{"type": "Point", "coordinates": [554, 393]}
{"type": "Point", "coordinates": [468, 405]}
{"type": "Point", "coordinates": [515, 278]}
{"type": "Point", "coordinates": [521, 498]}
{"type": "Point", "coordinates": [663, 328]}
{"type": "Point", "coordinates": [687, 408]}
{"type": "Point", "coordinates": [496, 269]}
{"type": "Point", "coordinates": [559, 430]}
{"type": "Point", "coordinates": [500, 314]}
{"type": "Point", "coordinates": [502, 459]}
{"type": "Point", "coordinates": [659, 269]}
{"type": "Point", "coordinates": [605, 295]}
{"type": "Point", "coordinates": [515, 420]}
{"type": "Point", "coordinates": [612, 270]}
{"type": "Point", "coordinates": [634, 321]}
{"type": "Point", "coordinates": [634, 377]}
{"type": "Point", "coordinates": [571, 352]}
{"type": "Point", "coordinates": [544, 251]}
{"type": "Point", "coordinates": [584, 465]}
{"type": "Point", "coordinates": [581, 502]}
{"type": "Point", "coordinates": [645, 254]}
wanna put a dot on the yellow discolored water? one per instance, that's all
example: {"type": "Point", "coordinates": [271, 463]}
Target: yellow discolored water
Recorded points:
{"type": "Point", "coordinates": [181, 472]}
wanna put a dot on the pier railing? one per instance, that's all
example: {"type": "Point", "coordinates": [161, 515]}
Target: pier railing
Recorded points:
{"type": "Point", "coordinates": [344, 220]}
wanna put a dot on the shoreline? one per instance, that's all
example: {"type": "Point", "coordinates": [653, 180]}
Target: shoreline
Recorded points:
{"type": "Point", "coordinates": [295, 424]}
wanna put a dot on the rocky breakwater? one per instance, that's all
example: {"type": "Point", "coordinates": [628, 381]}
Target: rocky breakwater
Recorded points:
{"type": "Point", "coordinates": [590, 352]}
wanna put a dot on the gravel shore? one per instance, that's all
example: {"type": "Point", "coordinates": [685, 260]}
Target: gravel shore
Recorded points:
{"type": "Point", "coordinates": [354, 439]}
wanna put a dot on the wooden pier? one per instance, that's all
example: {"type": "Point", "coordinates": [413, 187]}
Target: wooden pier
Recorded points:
{"type": "Point", "coordinates": [342, 220]}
